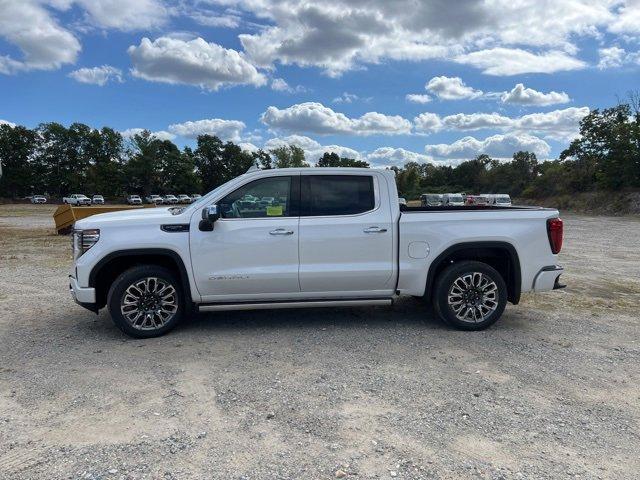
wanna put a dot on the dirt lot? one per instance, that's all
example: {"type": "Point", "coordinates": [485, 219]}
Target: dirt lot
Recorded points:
{"type": "Point", "coordinates": [551, 391]}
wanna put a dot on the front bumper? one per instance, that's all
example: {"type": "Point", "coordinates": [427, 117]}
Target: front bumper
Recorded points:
{"type": "Point", "coordinates": [548, 278]}
{"type": "Point", "coordinates": [83, 296]}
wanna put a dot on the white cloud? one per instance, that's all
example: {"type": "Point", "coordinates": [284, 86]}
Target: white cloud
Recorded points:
{"type": "Point", "coordinates": [316, 118]}
{"type": "Point", "coordinates": [428, 122]}
{"type": "Point", "coordinates": [224, 129]}
{"type": "Point", "coordinates": [451, 88]}
{"type": "Point", "coordinates": [125, 15]}
{"type": "Point", "coordinates": [558, 124]}
{"type": "Point", "coordinates": [248, 146]}
{"type": "Point", "coordinates": [313, 150]}
{"type": "Point", "coordinates": [528, 96]}
{"type": "Point", "coordinates": [44, 44]}
{"type": "Point", "coordinates": [346, 97]}
{"type": "Point", "coordinates": [611, 57]}
{"type": "Point", "coordinates": [97, 75]}
{"type": "Point", "coordinates": [418, 98]}
{"type": "Point", "coordinates": [389, 156]}
{"type": "Point", "coordinates": [160, 134]}
{"type": "Point", "coordinates": [214, 19]}
{"type": "Point", "coordinates": [515, 61]}
{"type": "Point", "coordinates": [280, 85]}
{"type": "Point", "coordinates": [7, 122]}
{"type": "Point", "coordinates": [193, 62]}
{"type": "Point", "coordinates": [627, 20]}
{"type": "Point", "coordinates": [497, 146]}
{"type": "Point", "coordinates": [476, 121]}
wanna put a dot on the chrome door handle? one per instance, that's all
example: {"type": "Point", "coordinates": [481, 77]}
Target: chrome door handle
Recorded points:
{"type": "Point", "coordinates": [281, 231]}
{"type": "Point", "coordinates": [374, 230]}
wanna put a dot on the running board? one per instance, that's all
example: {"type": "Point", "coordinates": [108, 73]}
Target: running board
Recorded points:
{"type": "Point", "coordinates": [216, 307]}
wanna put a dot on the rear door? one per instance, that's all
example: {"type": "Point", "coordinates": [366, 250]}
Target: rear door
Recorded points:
{"type": "Point", "coordinates": [346, 236]}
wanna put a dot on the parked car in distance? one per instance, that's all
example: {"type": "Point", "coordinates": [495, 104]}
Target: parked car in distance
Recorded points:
{"type": "Point", "coordinates": [38, 199]}
{"type": "Point", "coordinates": [402, 201]}
{"type": "Point", "coordinates": [195, 197]}
{"type": "Point", "coordinates": [170, 199]}
{"type": "Point", "coordinates": [499, 199]}
{"type": "Point", "coordinates": [134, 200]}
{"type": "Point", "coordinates": [184, 198]}
{"type": "Point", "coordinates": [476, 200]}
{"type": "Point", "coordinates": [452, 199]}
{"type": "Point", "coordinates": [97, 200]}
{"type": "Point", "coordinates": [77, 199]}
{"type": "Point", "coordinates": [431, 199]}
{"type": "Point", "coordinates": [155, 199]}
{"type": "Point", "coordinates": [338, 239]}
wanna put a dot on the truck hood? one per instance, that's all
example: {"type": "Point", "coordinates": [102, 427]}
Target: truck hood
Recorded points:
{"type": "Point", "coordinates": [155, 215]}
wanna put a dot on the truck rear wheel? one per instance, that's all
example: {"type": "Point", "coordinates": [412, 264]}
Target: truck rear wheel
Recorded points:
{"type": "Point", "coordinates": [470, 295]}
{"type": "Point", "coordinates": [146, 301]}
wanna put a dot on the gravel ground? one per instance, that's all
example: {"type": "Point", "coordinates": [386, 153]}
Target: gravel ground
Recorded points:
{"type": "Point", "coordinates": [551, 391]}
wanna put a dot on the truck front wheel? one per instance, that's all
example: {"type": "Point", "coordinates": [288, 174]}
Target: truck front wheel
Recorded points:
{"type": "Point", "coordinates": [146, 301]}
{"type": "Point", "coordinates": [470, 295]}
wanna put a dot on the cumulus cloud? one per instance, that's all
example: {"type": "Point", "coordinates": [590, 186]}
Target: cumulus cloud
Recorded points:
{"type": "Point", "coordinates": [346, 97]}
{"type": "Point", "coordinates": [451, 88]}
{"type": "Point", "coordinates": [7, 122]}
{"type": "Point", "coordinates": [125, 15]}
{"type": "Point", "coordinates": [194, 62]}
{"type": "Point", "coordinates": [313, 150]}
{"type": "Point", "coordinates": [558, 124]}
{"type": "Point", "coordinates": [224, 129]}
{"type": "Point", "coordinates": [418, 98]}
{"type": "Point", "coordinates": [314, 117]}
{"type": "Point", "coordinates": [515, 61]}
{"type": "Point", "coordinates": [44, 44]}
{"type": "Point", "coordinates": [160, 134]}
{"type": "Point", "coordinates": [428, 122]}
{"type": "Point", "coordinates": [611, 57]}
{"type": "Point", "coordinates": [398, 157]}
{"type": "Point", "coordinates": [280, 85]}
{"type": "Point", "coordinates": [521, 95]}
{"type": "Point", "coordinates": [497, 146]}
{"type": "Point", "coordinates": [97, 75]}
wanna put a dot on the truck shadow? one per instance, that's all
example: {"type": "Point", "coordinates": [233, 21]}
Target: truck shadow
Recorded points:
{"type": "Point", "coordinates": [405, 313]}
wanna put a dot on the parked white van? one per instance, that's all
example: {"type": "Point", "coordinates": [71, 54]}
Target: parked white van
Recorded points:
{"type": "Point", "coordinates": [501, 199]}
{"type": "Point", "coordinates": [431, 199]}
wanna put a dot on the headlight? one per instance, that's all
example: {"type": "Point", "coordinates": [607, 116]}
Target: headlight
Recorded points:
{"type": "Point", "coordinates": [83, 240]}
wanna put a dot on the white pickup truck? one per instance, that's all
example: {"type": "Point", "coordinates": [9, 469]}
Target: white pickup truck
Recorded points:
{"type": "Point", "coordinates": [329, 237]}
{"type": "Point", "coordinates": [77, 199]}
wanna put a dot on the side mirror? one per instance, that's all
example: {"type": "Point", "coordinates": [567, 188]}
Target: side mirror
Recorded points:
{"type": "Point", "coordinates": [209, 215]}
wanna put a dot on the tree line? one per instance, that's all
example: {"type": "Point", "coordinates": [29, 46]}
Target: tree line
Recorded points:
{"type": "Point", "coordinates": [59, 160]}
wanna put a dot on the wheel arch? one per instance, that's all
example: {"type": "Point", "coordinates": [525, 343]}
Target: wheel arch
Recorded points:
{"type": "Point", "coordinates": [113, 264]}
{"type": "Point", "coordinates": [500, 255]}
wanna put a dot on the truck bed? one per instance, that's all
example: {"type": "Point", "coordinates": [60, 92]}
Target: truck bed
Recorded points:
{"type": "Point", "coordinates": [463, 208]}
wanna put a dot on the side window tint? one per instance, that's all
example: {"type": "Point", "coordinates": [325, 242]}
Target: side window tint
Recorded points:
{"type": "Point", "coordinates": [339, 195]}
{"type": "Point", "coordinates": [268, 197]}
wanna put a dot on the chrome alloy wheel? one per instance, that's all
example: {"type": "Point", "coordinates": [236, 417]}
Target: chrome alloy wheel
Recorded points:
{"type": "Point", "coordinates": [473, 297]}
{"type": "Point", "coordinates": [149, 303]}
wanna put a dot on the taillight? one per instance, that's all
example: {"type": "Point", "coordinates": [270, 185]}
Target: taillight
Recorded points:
{"type": "Point", "coordinates": [555, 231]}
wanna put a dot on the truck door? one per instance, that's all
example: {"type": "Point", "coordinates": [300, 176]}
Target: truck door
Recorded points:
{"type": "Point", "coordinates": [252, 251]}
{"type": "Point", "coordinates": [346, 236]}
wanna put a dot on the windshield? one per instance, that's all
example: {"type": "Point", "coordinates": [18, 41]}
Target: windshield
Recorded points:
{"type": "Point", "coordinates": [455, 198]}
{"type": "Point", "coordinates": [503, 199]}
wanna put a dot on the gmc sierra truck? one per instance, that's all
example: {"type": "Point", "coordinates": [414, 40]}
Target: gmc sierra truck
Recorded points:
{"type": "Point", "coordinates": [327, 237]}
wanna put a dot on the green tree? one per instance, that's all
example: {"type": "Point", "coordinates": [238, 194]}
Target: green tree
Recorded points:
{"type": "Point", "coordinates": [19, 170]}
{"type": "Point", "coordinates": [334, 160]}
{"type": "Point", "coordinates": [289, 157]}
{"type": "Point", "coordinates": [217, 163]}
{"type": "Point", "coordinates": [143, 171]}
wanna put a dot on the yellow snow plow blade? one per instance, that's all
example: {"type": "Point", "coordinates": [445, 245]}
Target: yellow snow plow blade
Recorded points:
{"type": "Point", "coordinates": [66, 215]}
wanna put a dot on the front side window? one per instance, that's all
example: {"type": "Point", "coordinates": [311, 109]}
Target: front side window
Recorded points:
{"type": "Point", "coordinates": [328, 195]}
{"type": "Point", "coordinates": [264, 198]}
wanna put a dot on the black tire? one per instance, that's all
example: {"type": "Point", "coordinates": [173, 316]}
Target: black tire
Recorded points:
{"type": "Point", "coordinates": [445, 283]}
{"type": "Point", "coordinates": [137, 274]}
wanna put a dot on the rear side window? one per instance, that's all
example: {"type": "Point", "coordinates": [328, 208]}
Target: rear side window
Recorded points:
{"type": "Point", "coordinates": [324, 195]}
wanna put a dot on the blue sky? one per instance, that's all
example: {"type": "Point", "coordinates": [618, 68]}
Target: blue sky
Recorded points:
{"type": "Point", "coordinates": [345, 76]}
